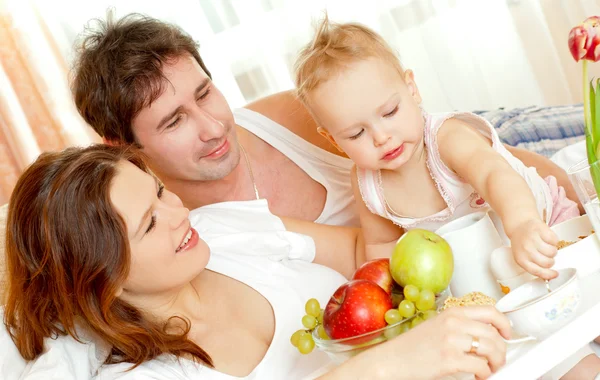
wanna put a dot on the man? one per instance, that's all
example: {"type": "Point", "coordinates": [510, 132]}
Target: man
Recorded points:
{"type": "Point", "coordinates": [139, 80]}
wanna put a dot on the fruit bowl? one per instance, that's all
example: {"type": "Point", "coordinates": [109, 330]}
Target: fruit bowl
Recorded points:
{"type": "Point", "coordinates": [340, 350]}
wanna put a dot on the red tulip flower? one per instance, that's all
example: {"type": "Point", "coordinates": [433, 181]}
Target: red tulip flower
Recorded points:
{"type": "Point", "coordinates": [584, 40]}
{"type": "Point", "coordinates": [584, 44]}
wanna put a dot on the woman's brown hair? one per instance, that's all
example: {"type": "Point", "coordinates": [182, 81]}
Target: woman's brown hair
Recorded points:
{"type": "Point", "coordinates": [67, 254]}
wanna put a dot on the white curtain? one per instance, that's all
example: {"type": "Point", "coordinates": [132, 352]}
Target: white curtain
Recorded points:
{"type": "Point", "coordinates": [36, 110]}
{"type": "Point", "coordinates": [466, 54]}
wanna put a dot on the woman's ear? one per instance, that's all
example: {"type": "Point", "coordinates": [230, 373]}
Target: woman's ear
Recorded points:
{"type": "Point", "coordinates": [409, 79]}
{"type": "Point", "coordinates": [325, 133]}
{"type": "Point", "coordinates": [119, 291]}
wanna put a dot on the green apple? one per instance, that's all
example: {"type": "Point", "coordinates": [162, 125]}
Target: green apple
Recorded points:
{"type": "Point", "coordinates": [424, 259]}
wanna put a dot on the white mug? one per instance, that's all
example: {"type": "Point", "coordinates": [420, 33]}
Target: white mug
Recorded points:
{"type": "Point", "coordinates": [472, 238]}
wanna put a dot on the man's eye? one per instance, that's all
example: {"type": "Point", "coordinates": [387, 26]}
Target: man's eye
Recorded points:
{"type": "Point", "coordinates": [204, 95]}
{"type": "Point", "coordinates": [174, 123]}
{"type": "Point", "coordinates": [357, 135]}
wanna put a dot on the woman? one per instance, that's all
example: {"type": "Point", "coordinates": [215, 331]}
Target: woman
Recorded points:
{"type": "Point", "coordinates": [95, 242]}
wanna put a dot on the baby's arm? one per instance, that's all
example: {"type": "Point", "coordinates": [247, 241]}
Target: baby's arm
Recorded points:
{"type": "Point", "coordinates": [545, 167]}
{"type": "Point", "coordinates": [380, 235]}
{"type": "Point", "coordinates": [468, 153]}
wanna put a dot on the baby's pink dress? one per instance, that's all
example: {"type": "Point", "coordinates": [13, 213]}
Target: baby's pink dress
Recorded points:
{"type": "Point", "coordinates": [461, 199]}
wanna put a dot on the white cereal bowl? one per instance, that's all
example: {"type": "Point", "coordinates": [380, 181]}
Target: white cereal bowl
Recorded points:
{"type": "Point", "coordinates": [584, 254]}
{"type": "Point", "coordinates": [535, 312]}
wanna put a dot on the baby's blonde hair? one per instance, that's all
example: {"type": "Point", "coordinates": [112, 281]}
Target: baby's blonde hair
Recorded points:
{"type": "Point", "coordinates": [333, 48]}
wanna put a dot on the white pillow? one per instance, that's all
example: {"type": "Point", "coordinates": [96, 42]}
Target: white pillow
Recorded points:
{"type": "Point", "coordinates": [12, 364]}
{"type": "Point", "coordinates": [570, 155]}
{"type": "Point", "coordinates": [63, 359]}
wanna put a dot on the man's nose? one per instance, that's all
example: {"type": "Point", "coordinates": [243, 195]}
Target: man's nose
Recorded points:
{"type": "Point", "coordinates": [209, 128]}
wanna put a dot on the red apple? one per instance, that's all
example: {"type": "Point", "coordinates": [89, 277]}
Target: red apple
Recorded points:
{"type": "Point", "coordinates": [378, 271]}
{"type": "Point", "coordinates": [356, 308]}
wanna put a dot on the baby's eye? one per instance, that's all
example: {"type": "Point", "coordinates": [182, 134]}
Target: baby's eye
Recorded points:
{"type": "Point", "coordinates": [392, 112]}
{"type": "Point", "coordinates": [357, 135]}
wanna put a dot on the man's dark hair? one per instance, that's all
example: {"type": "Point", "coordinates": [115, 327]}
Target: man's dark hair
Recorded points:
{"type": "Point", "coordinates": [118, 71]}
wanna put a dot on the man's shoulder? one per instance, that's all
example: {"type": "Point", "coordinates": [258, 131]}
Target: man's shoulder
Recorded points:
{"type": "Point", "coordinates": [285, 109]}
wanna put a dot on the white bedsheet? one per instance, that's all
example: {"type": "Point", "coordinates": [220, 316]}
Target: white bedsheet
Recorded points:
{"type": "Point", "coordinates": [64, 359]}
{"type": "Point", "coordinates": [11, 362]}
{"type": "Point", "coordinates": [570, 155]}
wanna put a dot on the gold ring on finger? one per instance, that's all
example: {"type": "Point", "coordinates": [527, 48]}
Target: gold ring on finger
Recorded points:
{"type": "Point", "coordinates": [474, 345]}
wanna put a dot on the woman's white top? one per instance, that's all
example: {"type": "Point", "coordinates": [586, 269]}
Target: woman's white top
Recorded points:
{"type": "Point", "coordinates": [251, 245]}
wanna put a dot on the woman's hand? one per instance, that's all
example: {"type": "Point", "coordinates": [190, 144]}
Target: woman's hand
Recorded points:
{"type": "Point", "coordinates": [441, 346]}
{"type": "Point", "coordinates": [533, 245]}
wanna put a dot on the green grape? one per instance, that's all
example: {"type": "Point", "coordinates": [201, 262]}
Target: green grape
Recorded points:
{"type": "Point", "coordinates": [428, 314]}
{"type": "Point", "coordinates": [296, 337]}
{"type": "Point", "coordinates": [426, 300]}
{"type": "Point", "coordinates": [322, 333]}
{"type": "Point", "coordinates": [411, 293]}
{"type": "Point", "coordinates": [370, 343]}
{"type": "Point", "coordinates": [415, 322]}
{"type": "Point", "coordinates": [320, 317]}
{"type": "Point", "coordinates": [306, 344]}
{"type": "Point", "coordinates": [392, 316]}
{"type": "Point", "coordinates": [406, 309]}
{"type": "Point", "coordinates": [392, 332]}
{"type": "Point", "coordinates": [312, 307]}
{"type": "Point", "coordinates": [404, 327]}
{"type": "Point", "coordinates": [309, 322]}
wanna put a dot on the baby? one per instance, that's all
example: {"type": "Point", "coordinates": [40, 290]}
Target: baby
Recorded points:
{"type": "Point", "coordinates": [419, 170]}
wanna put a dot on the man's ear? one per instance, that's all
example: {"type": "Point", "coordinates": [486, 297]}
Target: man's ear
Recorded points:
{"type": "Point", "coordinates": [325, 133]}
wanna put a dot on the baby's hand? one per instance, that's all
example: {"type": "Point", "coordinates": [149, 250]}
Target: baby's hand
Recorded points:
{"type": "Point", "coordinates": [534, 247]}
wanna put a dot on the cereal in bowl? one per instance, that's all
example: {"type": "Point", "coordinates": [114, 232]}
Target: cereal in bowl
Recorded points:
{"type": "Point", "coordinates": [470, 299]}
{"type": "Point", "coordinates": [564, 243]}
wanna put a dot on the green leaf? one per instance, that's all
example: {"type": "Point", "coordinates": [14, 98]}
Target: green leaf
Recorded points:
{"type": "Point", "coordinates": [594, 128]}
{"type": "Point", "coordinates": [595, 110]}
{"type": "Point", "coordinates": [590, 148]}
{"type": "Point", "coordinates": [592, 152]}
{"type": "Point", "coordinates": [595, 172]}
{"type": "Point", "coordinates": [595, 120]}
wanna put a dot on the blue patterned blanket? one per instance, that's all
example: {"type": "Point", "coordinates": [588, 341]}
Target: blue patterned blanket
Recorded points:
{"type": "Point", "coordinates": [543, 130]}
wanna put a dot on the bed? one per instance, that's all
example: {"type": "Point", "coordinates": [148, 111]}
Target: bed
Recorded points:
{"type": "Point", "coordinates": [544, 130]}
